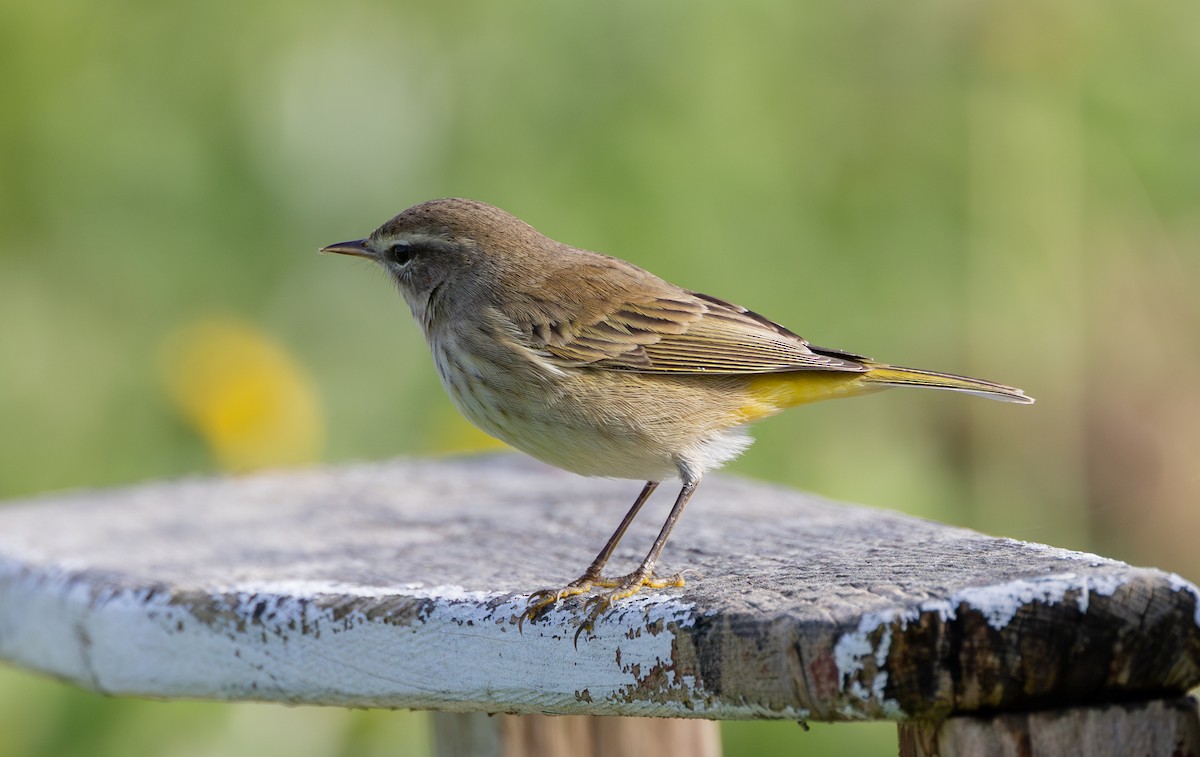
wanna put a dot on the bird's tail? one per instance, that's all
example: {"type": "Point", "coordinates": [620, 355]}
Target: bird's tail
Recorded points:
{"type": "Point", "coordinates": [772, 392]}
{"type": "Point", "coordinates": [894, 375]}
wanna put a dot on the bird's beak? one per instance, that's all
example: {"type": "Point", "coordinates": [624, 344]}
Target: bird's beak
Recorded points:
{"type": "Point", "coordinates": [356, 247]}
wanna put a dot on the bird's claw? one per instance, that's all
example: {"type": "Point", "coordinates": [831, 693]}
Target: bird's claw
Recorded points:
{"type": "Point", "coordinates": [542, 600]}
{"type": "Point", "coordinates": [624, 587]}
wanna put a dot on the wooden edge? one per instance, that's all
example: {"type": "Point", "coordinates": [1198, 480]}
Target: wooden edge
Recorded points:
{"type": "Point", "coordinates": [307, 642]}
{"type": "Point", "coordinates": [440, 648]}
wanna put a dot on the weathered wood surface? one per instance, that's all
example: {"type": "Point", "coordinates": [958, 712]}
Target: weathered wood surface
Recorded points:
{"type": "Point", "coordinates": [399, 585]}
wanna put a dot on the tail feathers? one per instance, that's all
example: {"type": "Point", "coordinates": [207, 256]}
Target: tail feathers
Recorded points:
{"type": "Point", "coordinates": [894, 375]}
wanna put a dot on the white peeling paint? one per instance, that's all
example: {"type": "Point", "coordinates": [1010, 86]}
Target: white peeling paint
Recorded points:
{"type": "Point", "coordinates": [451, 649]}
{"type": "Point", "coordinates": [1179, 583]}
{"type": "Point", "coordinates": [998, 604]}
{"type": "Point", "coordinates": [851, 653]}
{"type": "Point", "coordinates": [1088, 558]}
{"type": "Point", "coordinates": [309, 589]}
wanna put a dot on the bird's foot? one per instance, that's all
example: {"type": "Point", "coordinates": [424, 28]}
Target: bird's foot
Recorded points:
{"type": "Point", "coordinates": [622, 588]}
{"type": "Point", "coordinates": [542, 600]}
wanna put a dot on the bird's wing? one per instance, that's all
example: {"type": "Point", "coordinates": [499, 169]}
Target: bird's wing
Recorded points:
{"type": "Point", "coordinates": [681, 332]}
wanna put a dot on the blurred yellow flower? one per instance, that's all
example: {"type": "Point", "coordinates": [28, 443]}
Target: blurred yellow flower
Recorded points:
{"type": "Point", "coordinates": [248, 398]}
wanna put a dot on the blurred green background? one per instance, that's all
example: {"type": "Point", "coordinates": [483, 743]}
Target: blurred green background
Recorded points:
{"type": "Point", "coordinates": [1005, 189]}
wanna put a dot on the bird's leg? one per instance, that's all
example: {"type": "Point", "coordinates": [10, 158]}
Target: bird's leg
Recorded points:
{"type": "Point", "coordinates": [629, 585]}
{"type": "Point", "coordinates": [542, 600]}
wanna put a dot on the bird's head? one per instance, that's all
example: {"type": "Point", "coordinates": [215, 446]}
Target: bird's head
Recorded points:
{"type": "Point", "coordinates": [456, 242]}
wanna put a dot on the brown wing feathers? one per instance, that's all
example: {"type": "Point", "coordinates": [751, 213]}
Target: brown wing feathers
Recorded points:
{"type": "Point", "coordinates": [685, 333]}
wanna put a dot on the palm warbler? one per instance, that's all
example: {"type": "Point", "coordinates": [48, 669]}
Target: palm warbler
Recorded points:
{"type": "Point", "coordinates": [594, 365]}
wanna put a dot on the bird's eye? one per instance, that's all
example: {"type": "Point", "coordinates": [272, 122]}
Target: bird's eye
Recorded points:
{"type": "Point", "coordinates": [401, 252]}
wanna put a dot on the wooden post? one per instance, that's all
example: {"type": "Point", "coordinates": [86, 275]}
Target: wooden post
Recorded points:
{"type": "Point", "coordinates": [400, 585]}
{"type": "Point", "coordinates": [473, 734]}
{"type": "Point", "coordinates": [1155, 727]}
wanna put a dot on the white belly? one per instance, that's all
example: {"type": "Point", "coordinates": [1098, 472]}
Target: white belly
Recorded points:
{"type": "Point", "coordinates": [594, 424]}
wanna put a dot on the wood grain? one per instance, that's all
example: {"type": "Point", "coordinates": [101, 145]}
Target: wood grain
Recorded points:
{"type": "Point", "coordinates": [399, 585]}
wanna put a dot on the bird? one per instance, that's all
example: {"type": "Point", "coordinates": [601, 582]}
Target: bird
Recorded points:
{"type": "Point", "coordinates": [594, 365]}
